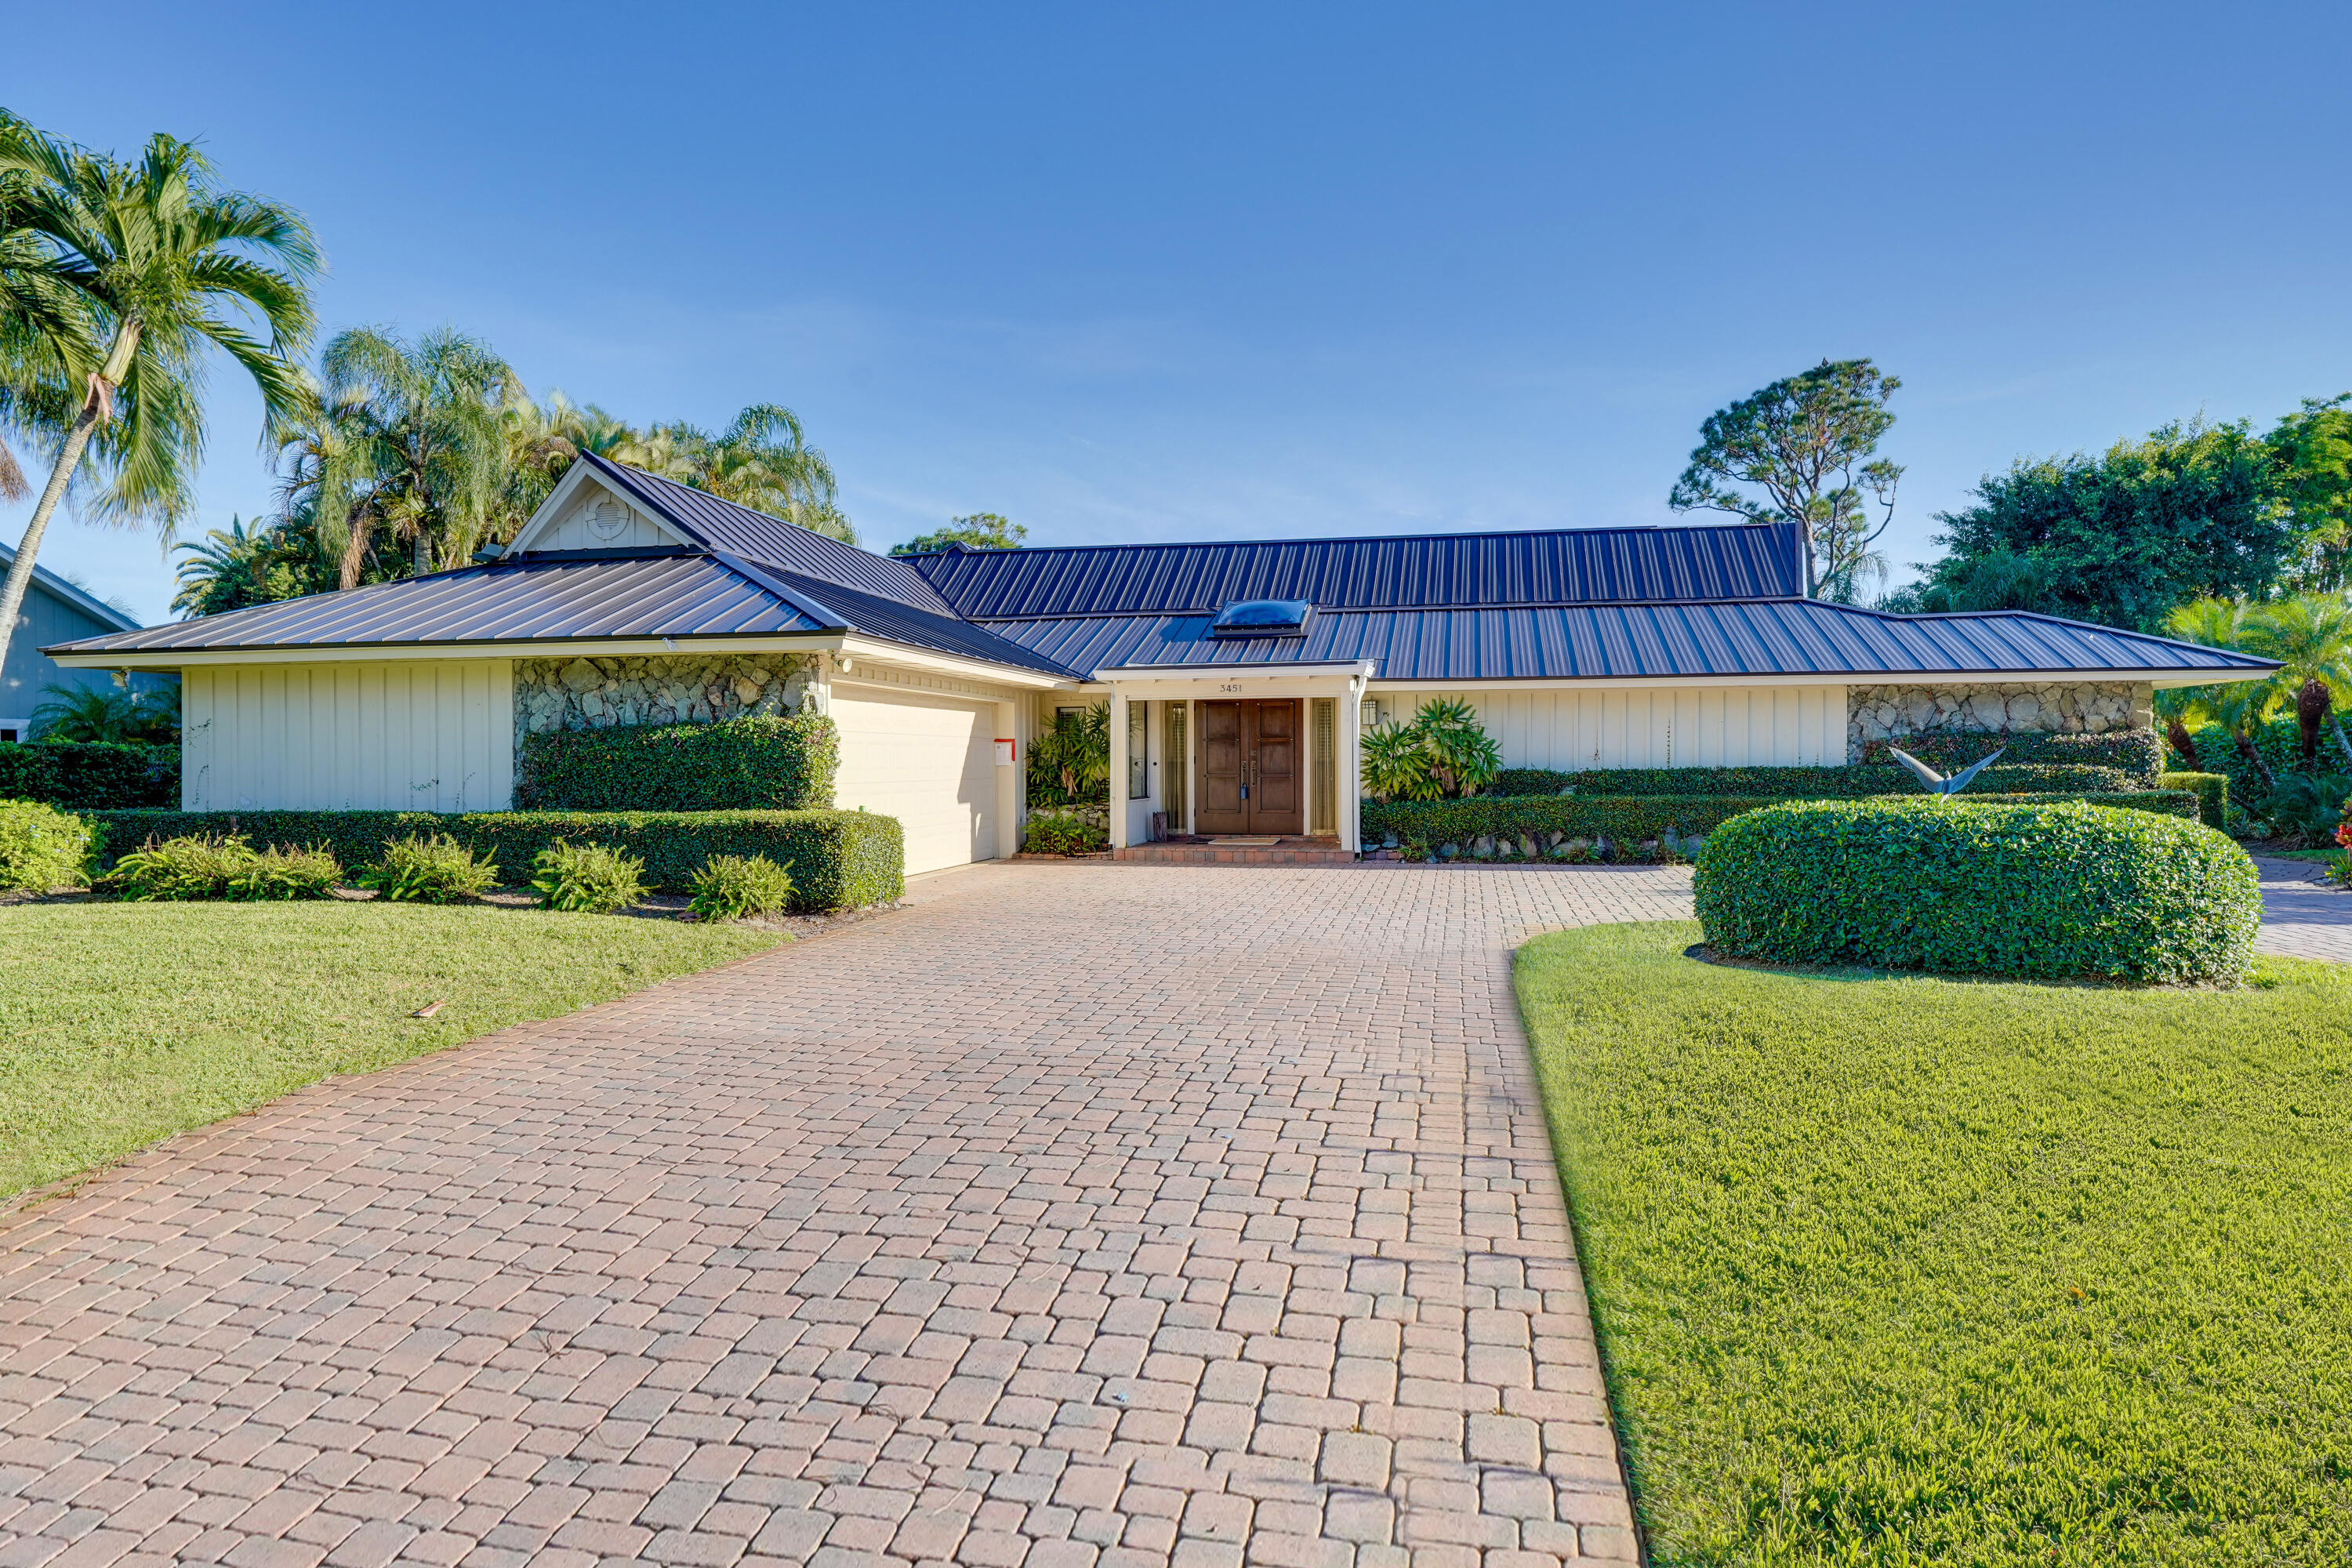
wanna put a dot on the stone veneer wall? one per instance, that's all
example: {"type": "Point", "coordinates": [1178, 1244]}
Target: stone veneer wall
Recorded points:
{"type": "Point", "coordinates": [598, 693]}
{"type": "Point", "coordinates": [2065, 707]}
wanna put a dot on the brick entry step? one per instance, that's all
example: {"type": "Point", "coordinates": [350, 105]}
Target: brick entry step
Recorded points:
{"type": "Point", "coordinates": [1239, 851]}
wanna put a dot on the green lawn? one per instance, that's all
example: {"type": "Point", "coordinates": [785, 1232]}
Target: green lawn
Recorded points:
{"type": "Point", "coordinates": [1912, 1271]}
{"type": "Point", "coordinates": [2323, 855]}
{"type": "Point", "coordinates": [126, 1022]}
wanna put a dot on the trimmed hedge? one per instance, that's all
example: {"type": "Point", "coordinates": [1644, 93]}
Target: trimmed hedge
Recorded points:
{"type": "Point", "coordinates": [2140, 752]}
{"type": "Point", "coordinates": [759, 762]}
{"type": "Point", "coordinates": [1855, 783]}
{"type": "Point", "coordinates": [839, 860]}
{"type": "Point", "coordinates": [1632, 819]}
{"type": "Point", "coordinates": [2037, 891]}
{"type": "Point", "coordinates": [2213, 793]}
{"type": "Point", "coordinates": [90, 775]}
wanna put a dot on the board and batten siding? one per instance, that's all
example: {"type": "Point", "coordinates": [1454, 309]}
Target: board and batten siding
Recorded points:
{"type": "Point", "coordinates": [361, 736]}
{"type": "Point", "coordinates": [1655, 727]}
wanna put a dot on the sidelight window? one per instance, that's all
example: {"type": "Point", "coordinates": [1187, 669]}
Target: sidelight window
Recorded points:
{"type": "Point", "coordinates": [1139, 736]}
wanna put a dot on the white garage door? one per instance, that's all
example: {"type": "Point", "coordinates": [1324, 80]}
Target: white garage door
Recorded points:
{"type": "Point", "coordinates": [928, 760]}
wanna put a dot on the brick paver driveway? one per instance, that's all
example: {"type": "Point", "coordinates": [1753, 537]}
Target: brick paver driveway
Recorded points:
{"type": "Point", "coordinates": [1075, 1213]}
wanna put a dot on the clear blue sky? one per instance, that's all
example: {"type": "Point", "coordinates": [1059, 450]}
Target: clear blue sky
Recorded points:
{"type": "Point", "coordinates": [1126, 272]}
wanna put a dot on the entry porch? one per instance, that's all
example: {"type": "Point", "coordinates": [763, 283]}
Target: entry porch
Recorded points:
{"type": "Point", "coordinates": [1269, 756]}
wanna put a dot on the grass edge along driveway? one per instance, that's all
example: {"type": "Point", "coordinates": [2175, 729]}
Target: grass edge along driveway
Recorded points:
{"type": "Point", "coordinates": [121, 1023]}
{"type": "Point", "coordinates": [1900, 1269]}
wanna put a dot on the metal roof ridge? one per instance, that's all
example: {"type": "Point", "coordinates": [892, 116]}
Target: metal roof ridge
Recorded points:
{"type": "Point", "coordinates": [2249, 660]}
{"type": "Point", "coordinates": [1347, 539]}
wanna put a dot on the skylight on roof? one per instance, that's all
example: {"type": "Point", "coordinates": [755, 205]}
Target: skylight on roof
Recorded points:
{"type": "Point", "coordinates": [1262, 618]}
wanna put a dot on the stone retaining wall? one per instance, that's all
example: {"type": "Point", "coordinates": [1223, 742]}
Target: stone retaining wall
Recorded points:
{"type": "Point", "coordinates": [599, 693]}
{"type": "Point", "coordinates": [2062, 707]}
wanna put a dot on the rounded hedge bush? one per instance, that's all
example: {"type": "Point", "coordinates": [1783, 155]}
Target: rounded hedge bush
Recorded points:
{"type": "Point", "coordinates": [2041, 891]}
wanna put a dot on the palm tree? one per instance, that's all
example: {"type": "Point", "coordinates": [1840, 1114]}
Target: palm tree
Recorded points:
{"type": "Point", "coordinates": [2240, 706]}
{"type": "Point", "coordinates": [415, 442]}
{"type": "Point", "coordinates": [2310, 635]}
{"type": "Point", "coordinates": [763, 461]}
{"type": "Point", "coordinates": [160, 267]}
{"type": "Point", "coordinates": [232, 567]}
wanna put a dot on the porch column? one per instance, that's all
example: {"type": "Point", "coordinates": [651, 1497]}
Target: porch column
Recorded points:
{"type": "Point", "coordinates": [1351, 771]}
{"type": "Point", "coordinates": [1011, 782]}
{"type": "Point", "coordinates": [1117, 769]}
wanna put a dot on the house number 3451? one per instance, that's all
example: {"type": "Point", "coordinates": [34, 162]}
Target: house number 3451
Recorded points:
{"type": "Point", "coordinates": [1229, 685]}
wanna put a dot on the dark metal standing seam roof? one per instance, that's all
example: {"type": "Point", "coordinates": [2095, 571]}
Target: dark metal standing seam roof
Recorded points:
{"type": "Point", "coordinates": [1779, 637]}
{"type": "Point", "coordinates": [1604, 566]}
{"type": "Point", "coordinates": [739, 531]}
{"type": "Point", "coordinates": [891, 621]}
{"type": "Point", "coordinates": [654, 596]}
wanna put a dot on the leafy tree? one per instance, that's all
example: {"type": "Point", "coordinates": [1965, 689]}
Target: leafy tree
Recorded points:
{"type": "Point", "coordinates": [763, 462]}
{"type": "Point", "coordinates": [2311, 474]}
{"type": "Point", "coordinates": [413, 442]}
{"type": "Point", "coordinates": [1807, 442]}
{"type": "Point", "coordinates": [2003, 580]}
{"type": "Point", "coordinates": [981, 531]}
{"type": "Point", "coordinates": [146, 270]}
{"type": "Point", "coordinates": [231, 568]}
{"type": "Point", "coordinates": [2125, 537]}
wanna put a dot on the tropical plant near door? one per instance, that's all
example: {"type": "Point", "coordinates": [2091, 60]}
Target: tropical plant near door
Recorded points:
{"type": "Point", "coordinates": [1069, 762]}
{"type": "Point", "coordinates": [152, 267]}
{"type": "Point", "coordinates": [1444, 753]}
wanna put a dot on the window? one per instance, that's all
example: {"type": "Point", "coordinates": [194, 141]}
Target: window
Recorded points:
{"type": "Point", "coordinates": [1174, 778]}
{"type": "Point", "coordinates": [1262, 618]}
{"type": "Point", "coordinates": [1325, 713]}
{"type": "Point", "coordinates": [1139, 736]}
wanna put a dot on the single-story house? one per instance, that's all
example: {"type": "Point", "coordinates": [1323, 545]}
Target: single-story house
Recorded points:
{"type": "Point", "coordinates": [55, 611]}
{"type": "Point", "coordinates": [1239, 676]}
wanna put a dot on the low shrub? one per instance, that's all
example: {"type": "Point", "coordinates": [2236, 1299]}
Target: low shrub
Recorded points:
{"type": "Point", "coordinates": [191, 866]}
{"type": "Point", "coordinates": [94, 777]}
{"type": "Point", "coordinates": [1637, 819]}
{"type": "Point", "coordinates": [733, 887]}
{"type": "Point", "coordinates": [586, 878]}
{"type": "Point", "coordinates": [429, 869]}
{"type": "Point", "coordinates": [2038, 891]}
{"type": "Point", "coordinates": [767, 763]}
{"type": "Point", "coordinates": [221, 866]}
{"type": "Point", "coordinates": [42, 848]}
{"type": "Point", "coordinates": [282, 871]}
{"type": "Point", "coordinates": [839, 860]}
{"type": "Point", "coordinates": [2213, 793]}
{"type": "Point", "coordinates": [2138, 753]}
{"type": "Point", "coordinates": [2306, 810]}
{"type": "Point", "coordinates": [1063, 833]}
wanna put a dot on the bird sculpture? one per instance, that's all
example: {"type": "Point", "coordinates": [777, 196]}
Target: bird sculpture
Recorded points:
{"type": "Point", "coordinates": [1936, 783]}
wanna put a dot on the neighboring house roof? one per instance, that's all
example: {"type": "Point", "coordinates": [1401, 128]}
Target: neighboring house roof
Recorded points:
{"type": "Point", "coordinates": [82, 599]}
{"type": "Point", "coordinates": [1621, 602]}
{"type": "Point", "coordinates": [1452, 571]}
{"type": "Point", "coordinates": [1766, 637]}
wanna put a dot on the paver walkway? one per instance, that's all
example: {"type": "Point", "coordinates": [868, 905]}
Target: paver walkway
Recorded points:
{"type": "Point", "coordinates": [2303, 915]}
{"type": "Point", "coordinates": [1077, 1214]}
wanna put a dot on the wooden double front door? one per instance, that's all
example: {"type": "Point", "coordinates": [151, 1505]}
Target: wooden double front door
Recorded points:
{"type": "Point", "coordinates": [1250, 769]}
